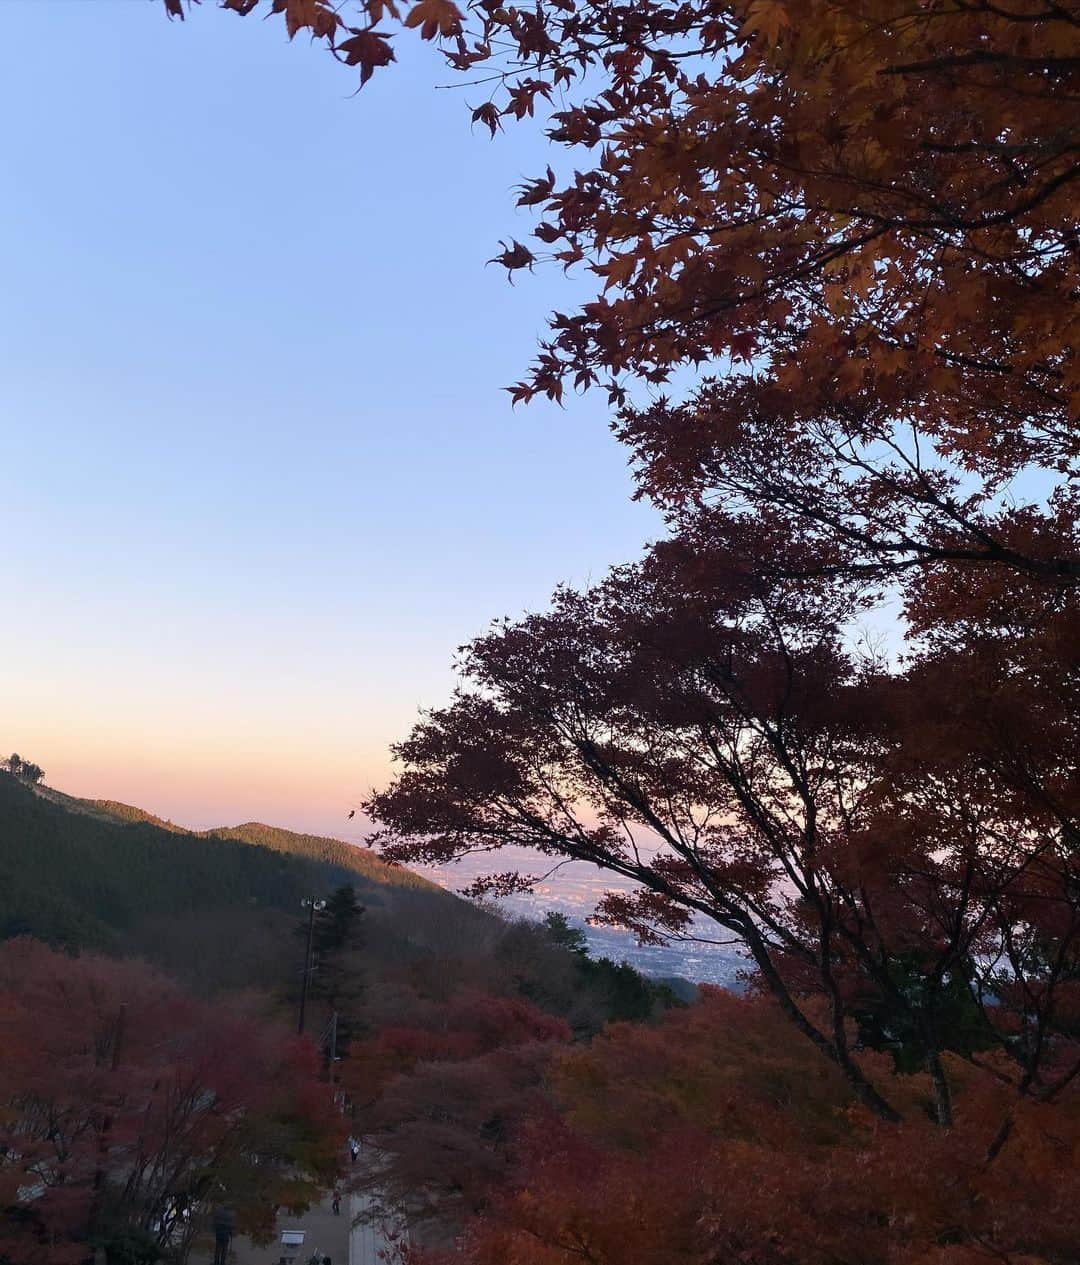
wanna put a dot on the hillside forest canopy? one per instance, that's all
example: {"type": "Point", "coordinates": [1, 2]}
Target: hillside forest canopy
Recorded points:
{"type": "Point", "coordinates": [151, 1068]}
{"type": "Point", "coordinates": [836, 253]}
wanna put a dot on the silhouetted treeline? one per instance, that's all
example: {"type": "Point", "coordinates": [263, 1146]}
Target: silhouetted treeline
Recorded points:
{"type": "Point", "coordinates": [24, 770]}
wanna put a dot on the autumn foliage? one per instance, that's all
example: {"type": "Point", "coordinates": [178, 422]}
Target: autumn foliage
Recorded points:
{"type": "Point", "coordinates": [846, 233]}
{"type": "Point", "coordinates": [444, 1098]}
{"type": "Point", "coordinates": [896, 842]}
{"type": "Point", "coordinates": [468, 1025]}
{"type": "Point", "coordinates": [128, 1110]}
{"type": "Point", "coordinates": [868, 195]}
{"type": "Point", "coordinates": [714, 1137]}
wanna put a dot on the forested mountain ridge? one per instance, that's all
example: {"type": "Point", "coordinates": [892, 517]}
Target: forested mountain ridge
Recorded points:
{"type": "Point", "coordinates": [216, 906]}
{"type": "Point", "coordinates": [444, 1015]}
{"type": "Point", "coordinates": [319, 848]}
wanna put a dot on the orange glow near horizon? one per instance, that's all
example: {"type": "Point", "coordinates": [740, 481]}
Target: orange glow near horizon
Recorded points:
{"type": "Point", "coordinates": [252, 502]}
{"type": "Point", "coordinates": [199, 785]}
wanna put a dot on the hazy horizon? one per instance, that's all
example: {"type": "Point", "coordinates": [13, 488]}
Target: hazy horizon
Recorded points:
{"type": "Point", "coordinates": [259, 460]}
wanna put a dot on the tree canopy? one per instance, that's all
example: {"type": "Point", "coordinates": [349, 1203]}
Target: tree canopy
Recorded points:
{"type": "Point", "coordinates": [712, 738]}
{"type": "Point", "coordinates": [836, 252]}
{"type": "Point", "coordinates": [129, 1109]}
{"type": "Point", "coordinates": [861, 215]}
{"type": "Point", "coordinates": [24, 770]}
{"type": "Point", "coordinates": [859, 223]}
{"type": "Point", "coordinates": [713, 1138]}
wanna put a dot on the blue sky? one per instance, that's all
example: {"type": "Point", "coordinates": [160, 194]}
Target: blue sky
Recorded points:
{"type": "Point", "coordinates": [259, 477]}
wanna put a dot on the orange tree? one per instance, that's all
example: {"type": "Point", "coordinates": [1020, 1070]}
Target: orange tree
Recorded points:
{"type": "Point", "coordinates": [857, 221]}
{"type": "Point", "coordinates": [861, 212]}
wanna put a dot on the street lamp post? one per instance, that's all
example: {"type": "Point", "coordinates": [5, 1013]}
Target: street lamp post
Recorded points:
{"type": "Point", "coordinates": [313, 907]}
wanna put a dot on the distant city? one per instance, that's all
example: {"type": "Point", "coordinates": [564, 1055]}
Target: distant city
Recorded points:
{"type": "Point", "coordinates": [574, 891]}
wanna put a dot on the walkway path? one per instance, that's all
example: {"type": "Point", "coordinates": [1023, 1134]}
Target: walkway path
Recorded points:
{"type": "Point", "coordinates": [367, 1243]}
{"type": "Point", "coordinates": [323, 1231]}
{"type": "Point", "coordinates": [337, 1236]}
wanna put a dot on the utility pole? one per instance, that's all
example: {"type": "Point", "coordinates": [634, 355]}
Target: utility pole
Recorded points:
{"type": "Point", "coordinates": [313, 905]}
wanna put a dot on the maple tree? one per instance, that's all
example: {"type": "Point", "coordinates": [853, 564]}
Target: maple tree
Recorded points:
{"type": "Point", "coordinates": [863, 214]}
{"type": "Point", "coordinates": [440, 1097]}
{"type": "Point", "coordinates": [128, 1109]}
{"type": "Point", "coordinates": [468, 1024]}
{"type": "Point", "coordinates": [712, 1137]}
{"type": "Point", "coordinates": [857, 221]}
{"type": "Point", "coordinates": [703, 730]}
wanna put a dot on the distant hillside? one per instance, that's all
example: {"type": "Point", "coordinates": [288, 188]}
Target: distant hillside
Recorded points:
{"type": "Point", "coordinates": [225, 910]}
{"type": "Point", "coordinates": [327, 851]}
{"type": "Point", "coordinates": [332, 852]}
{"type": "Point", "coordinates": [220, 905]}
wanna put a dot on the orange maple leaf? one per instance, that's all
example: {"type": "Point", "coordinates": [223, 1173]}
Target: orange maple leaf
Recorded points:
{"type": "Point", "coordinates": [767, 18]}
{"type": "Point", "coordinates": [434, 17]}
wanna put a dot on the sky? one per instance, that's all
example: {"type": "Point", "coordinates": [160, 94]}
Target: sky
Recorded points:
{"type": "Point", "coordinates": [259, 477]}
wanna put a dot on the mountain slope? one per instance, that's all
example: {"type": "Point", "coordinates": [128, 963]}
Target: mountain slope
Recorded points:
{"type": "Point", "coordinates": [319, 848]}
{"type": "Point", "coordinates": [99, 875]}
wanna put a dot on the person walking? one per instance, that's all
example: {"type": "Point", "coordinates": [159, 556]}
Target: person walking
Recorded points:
{"type": "Point", "coordinates": [224, 1225]}
{"type": "Point", "coordinates": [335, 1203]}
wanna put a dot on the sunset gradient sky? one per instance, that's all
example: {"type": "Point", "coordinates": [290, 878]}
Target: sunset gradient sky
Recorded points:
{"type": "Point", "coordinates": [258, 475]}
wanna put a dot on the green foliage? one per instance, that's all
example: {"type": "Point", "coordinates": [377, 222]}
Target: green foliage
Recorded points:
{"type": "Point", "coordinates": [951, 1019]}
{"type": "Point", "coordinates": [626, 993]}
{"type": "Point", "coordinates": [24, 770]}
{"type": "Point", "coordinates": [84, 875]}
{"type": "Point", "coordinates": [622, 992]}
{"type": "Point", "coordinates": [338, 969]}
{"type": "Point", "coordinates": [27, 907]}
{"type": "Point", "coordinates": [683, 990]}
{"type": "Point", "coordinates": [559, 929]}
{"type": "Point", "coordinates": [128, 1245]}
{"type": "Point", "coordinates": [119, 874]}
{"type": "Point", "coordinates": [337, 924]}
{"type": "Point", "coordinates": [325, 851]}
{"type": "Point", "coordinates": [218, 911]}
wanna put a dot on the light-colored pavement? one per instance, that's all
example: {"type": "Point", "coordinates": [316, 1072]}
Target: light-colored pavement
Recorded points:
{"type": "Point", "coordinates": [340, 1237]}
{"type": "Point", "coordinates": [323, 1232]}
{"type": "Point", "coordinates": [368, 1244]}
